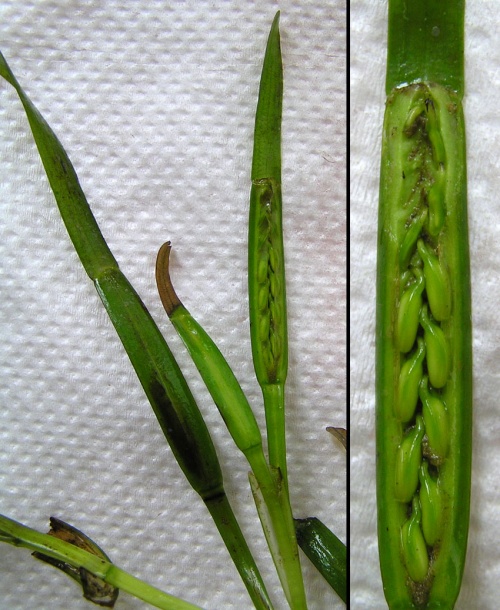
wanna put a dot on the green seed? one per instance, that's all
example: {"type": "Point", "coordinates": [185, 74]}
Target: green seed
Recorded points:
{"type": "Point", "coordinates": [409, 313]}
{"type": "Point", "coordinates": [434, 133]}
{"type": "Point", "coordinates": [263, 267]}
{"type": "Point", "coordinates": [438, 358]}
{"type": "Point", "coordinates": [437, 285]}
{"type": "Point", "coordinates": [274, 285]}
{"type": "Point", "coordinates": [431, 502]}
{"type": "Point", "coordinates": [436, 421]}
{"type": "Point", "coordinates": [264, 328]}
{"type": "Point", "coordinates": [410, 239]}
{"type": "Point", "coordinates": [273, 259]}
{"type": "Point", "coordinates": [436, 202]}
{"type": "Point", "coordinates": [263, 298]}
{"type": "Point", "coordinates": [413, 545]}
{"type": "Point", "coordinates": [407, 278]}
{"type": "Point", "coordinates": [407, 464]}
{"type": "Point", "coordinates": [409, 380]}
{"type": "Point", "coordinates": [276, 344]}
{"type": "Point", "coordinates": [415, 112]}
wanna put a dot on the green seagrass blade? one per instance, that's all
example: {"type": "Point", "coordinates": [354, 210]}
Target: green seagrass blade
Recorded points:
{"type": "Point", "coordinates": [426, 43]}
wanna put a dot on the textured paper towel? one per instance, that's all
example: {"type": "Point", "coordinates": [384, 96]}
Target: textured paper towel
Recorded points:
{"type": "Point", "coordinates": [480, 587]}
{"type": "Point", "coordinates": [155, 102]}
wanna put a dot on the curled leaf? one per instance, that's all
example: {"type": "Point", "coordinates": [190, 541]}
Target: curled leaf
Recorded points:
{"type": "Point", "coordinates": [94, 588]}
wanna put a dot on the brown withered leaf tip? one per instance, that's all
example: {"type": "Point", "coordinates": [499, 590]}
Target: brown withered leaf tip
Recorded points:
{"type": "Point", "coordinates": [340, 434]}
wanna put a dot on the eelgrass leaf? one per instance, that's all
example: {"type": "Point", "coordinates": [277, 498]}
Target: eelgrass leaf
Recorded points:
{"type": "Point", "coordinates": [326, 552]}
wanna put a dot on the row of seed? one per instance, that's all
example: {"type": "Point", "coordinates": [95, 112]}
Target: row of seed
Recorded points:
{"type": "Point", "coordinates": [424, 304]}
{"type": "Point", "coordinates": [269, 272]}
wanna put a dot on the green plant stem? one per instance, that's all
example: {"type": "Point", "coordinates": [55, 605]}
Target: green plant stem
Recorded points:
{"type": "Point", "coordinates": [160, 376]}
{"type": "Point", "coordinates": [274, 404]}
{"type": "Point", "coordinates": [228, 527]}
{"type": "Point", "coordinates": [276, 517]}
{"type": "Point", "coordinates": [20, 535]}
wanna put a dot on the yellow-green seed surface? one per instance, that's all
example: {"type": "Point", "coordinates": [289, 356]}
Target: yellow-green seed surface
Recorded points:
{"type": "Point", "coordinates": [413, 546]}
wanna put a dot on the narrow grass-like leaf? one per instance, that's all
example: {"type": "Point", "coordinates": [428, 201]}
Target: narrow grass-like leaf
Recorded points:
{"type": "Point", "coordinates": [326, 552]}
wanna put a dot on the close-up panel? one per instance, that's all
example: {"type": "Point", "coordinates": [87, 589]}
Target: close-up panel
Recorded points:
{"type": "Point", "coordinates": [424, 329]}
{"type": "Point", "coordinates": [182, 445]}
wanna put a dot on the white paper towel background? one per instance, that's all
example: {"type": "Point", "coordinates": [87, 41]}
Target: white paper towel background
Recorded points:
{"type": "Point", "coordinates": [154, 102]}
{"type": "Point", "coordinates": [480, 588]}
